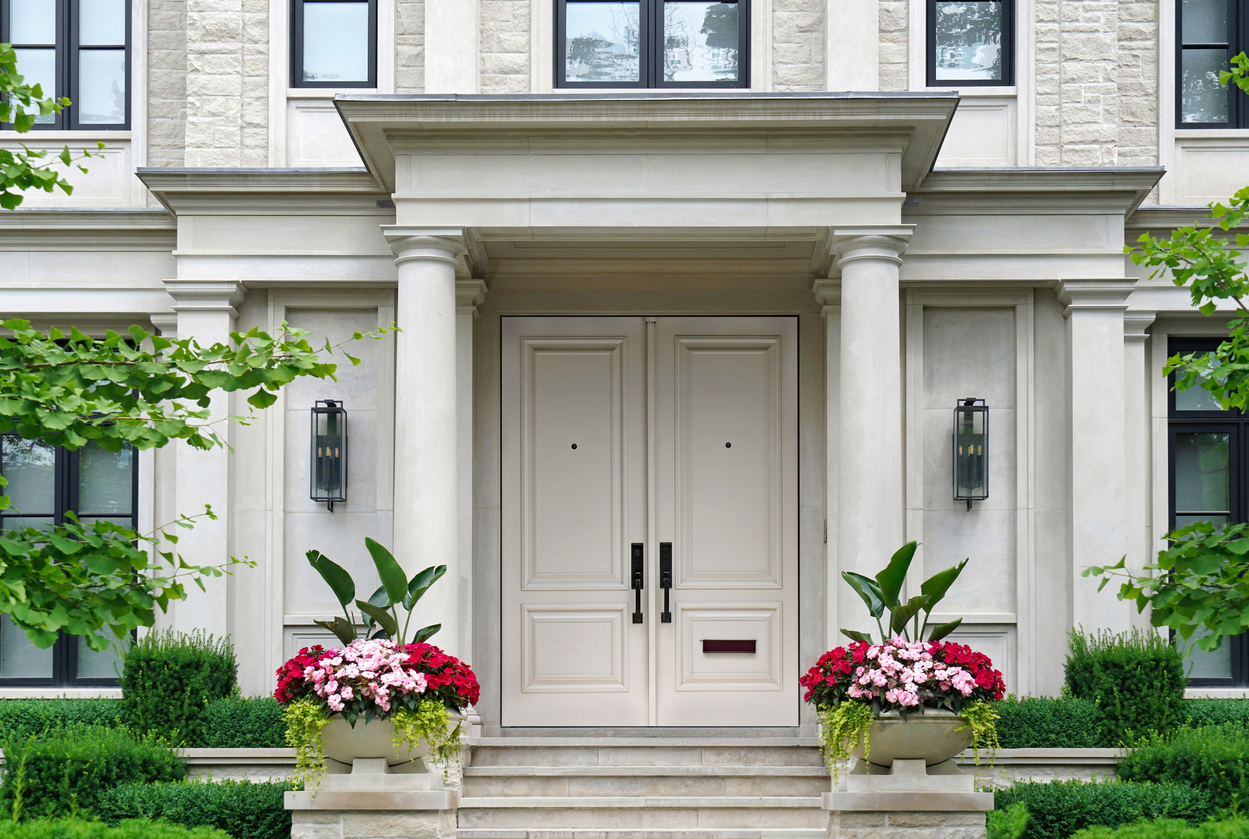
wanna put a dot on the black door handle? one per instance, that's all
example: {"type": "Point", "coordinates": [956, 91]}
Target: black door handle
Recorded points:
{"type": "Point", "coordinates": [665, 578]}
{"type": "Point", "coordinates": [636, 551]}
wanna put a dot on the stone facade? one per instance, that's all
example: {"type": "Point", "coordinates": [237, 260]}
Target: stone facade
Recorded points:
{"type": "Point", "coordinates": [1138, 83]}
{"type": "Point", "coordinates": [903, 825]}
{"type": "Point", "coordinates": [369, 824]}
{"type": "Point", "coordinates": [894, 44]}
{"type": "Point", "coordinates": [409, 46]}
{"type": "Point", "coordinates": [505, 43]}
{"type": "Point", "coordinates": [798, 45]}
{"type": "Point", "coordinates": [227, 84]}
{"type": "Point", "coordinates": [166, 82]}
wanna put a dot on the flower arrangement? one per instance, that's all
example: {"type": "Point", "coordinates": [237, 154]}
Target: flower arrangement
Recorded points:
{"type": "Point", "coordinates": [415, 685]}
{"type": "Point", "coordinates": [851, 686]}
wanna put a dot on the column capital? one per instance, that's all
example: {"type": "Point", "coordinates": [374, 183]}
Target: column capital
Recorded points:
{"type": "Point", "coordinates": [431, 244]}
{"type": "Point", "coordinates": [206, 295]}
{"type": "Point", "coordinates": [468, 295]}
{"type": "Point", "coordinates": [1095, 294]}
{"type": "Point", "coordinates": [886, 243]}
{"type": "Point", "coordinates": [1135, 324]}
{"type": "Point", "coordinates": [828, 293]}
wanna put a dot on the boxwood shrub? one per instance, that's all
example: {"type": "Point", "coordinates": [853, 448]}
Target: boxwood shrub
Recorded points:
{"type": "Point", "coordinates": [237, 723]}
{"type": "Point", "coordinates": [21, 718]}
{"type": "Point", "coordinates": [1170, 829]}
{"type": "Point", "coordinates": [1058, 809]}
{"type": "Point", "coordinates": [169, 679]}
{"type": "Point", "coordinates": [65, 771]}
{"type": "Point", "coordinates": [243, 809]}
{"type": "Point", "coordinates": [1038, 723]}
{"type": "Point", "coordinates": [1200, 712]}
{"type": "Point", "coordinates": [73, 828]}
{"type": "Point", "coordinates": [1135, 679]}
{"type": "Point", "coordinates": [1215, 758]}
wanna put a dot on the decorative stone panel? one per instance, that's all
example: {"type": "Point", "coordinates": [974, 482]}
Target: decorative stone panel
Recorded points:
{"type": "Point", "coordinates": [409, 46]}
{"type": "Point", "coordinates": [798, 44]}
{"type": "Point", "coordinates": [504, 48]}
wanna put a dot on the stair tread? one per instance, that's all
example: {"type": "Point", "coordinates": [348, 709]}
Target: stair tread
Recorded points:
{"type": "Point", "coordinates": [571, 770]}
{"type": "Point", "coordinates": [643, 833]}
{"type": "Point", "coordinates": [566, 741]}
{"type": "Point", "coordinates": [644, 801]}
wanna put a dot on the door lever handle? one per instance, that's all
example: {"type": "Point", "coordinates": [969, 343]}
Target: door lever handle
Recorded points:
{"type": "Point", "coordinates": [636, 553]}
{"type": "Point", "coordinates": [665, 578]}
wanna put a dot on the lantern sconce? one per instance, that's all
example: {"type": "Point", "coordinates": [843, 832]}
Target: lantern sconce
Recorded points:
{"type": "Point", "coordinates": [329, 452]}
{"type": "Point", "coordinates": [971, 450]}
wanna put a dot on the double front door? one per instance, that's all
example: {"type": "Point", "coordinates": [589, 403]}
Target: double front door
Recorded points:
{"type": "Point", "coordinates": [650, 521]}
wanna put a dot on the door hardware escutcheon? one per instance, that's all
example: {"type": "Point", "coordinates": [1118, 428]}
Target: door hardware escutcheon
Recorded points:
{"type": "Point", "coordinates": [665, 578]}
{"type": "Point", "coordinates": [636, 552]}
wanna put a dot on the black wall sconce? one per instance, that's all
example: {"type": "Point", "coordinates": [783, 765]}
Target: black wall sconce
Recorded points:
{"type": "Point", "coordinates": [971, 450]}
{"type": "Point", "coordinates": [329, 452]}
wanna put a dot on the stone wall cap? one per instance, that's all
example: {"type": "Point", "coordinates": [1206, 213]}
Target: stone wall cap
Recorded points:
{"type": "Point", "coordinates": [943, 802]}
{"type": "Point", "coordinates": [352, 800]}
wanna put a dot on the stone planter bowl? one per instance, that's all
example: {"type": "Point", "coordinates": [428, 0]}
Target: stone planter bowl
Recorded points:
{"type": "Point", "coordinates": [933, 736]}
{"type": "Point", "coordinates": [374, 739]}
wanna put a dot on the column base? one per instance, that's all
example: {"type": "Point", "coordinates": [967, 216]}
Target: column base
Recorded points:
{"type": "Point", "coordinates": [935, 802]}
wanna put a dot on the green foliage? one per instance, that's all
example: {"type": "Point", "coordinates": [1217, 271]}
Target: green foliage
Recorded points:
{"type": "Point", "coordinates": [65, 771]}
{"type": "Point", "coordinates": [1007, 824]}
{"type": "Point", "coordinates": [1200, 712]}
{"type": "Point", "coordinates": [381, 619]}
{"type": "Point", "coordinates": [1170, 829]}
{"type": "Point", "coordinates": [75, 828]}
{"type": "Point", "coordinates": [238, 723]}
{"type": "Point", "coordinates": [243, 809]}
{"type": "Point", "coordinates": [1035, 722]}
{"type": "Point", "coordinates": [842, 728]}
{"type": "Point", "coordinates": [1214, 758]}
{"type": "Point", "coordinates": [882, 593]}
{"type": "Point", "coordinates": [304, 721]}
{"type": "Point", "coordinates": [430, 723]}
{"type": "Point", "coordinates": [22, 718]}
{"type": "Point", "coordinates": [135, 390]}
{"type": "Point", "coordinates": [1135, 679]}
{"type": "Point", "coordinates": [168, 680]}
{"type": "Point", "coordinates": [1061, 808]}
{"type": "Point", "coordinates": [19, 170]}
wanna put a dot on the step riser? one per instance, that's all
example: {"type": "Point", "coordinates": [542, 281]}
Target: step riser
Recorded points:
{"type": "Point", "coordinates": [645, 756]}
{"type": "Point", "coordinates": [642, 818]}
{"type": "Point", "coordinates": [780, 785]}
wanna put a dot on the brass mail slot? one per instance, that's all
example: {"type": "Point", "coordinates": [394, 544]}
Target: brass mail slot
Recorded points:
{"type": "Point", "coordinates": [742, 646]}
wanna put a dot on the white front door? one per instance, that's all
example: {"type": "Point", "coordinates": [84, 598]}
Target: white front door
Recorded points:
{"type": "Point", "coordinates": [659, 453]}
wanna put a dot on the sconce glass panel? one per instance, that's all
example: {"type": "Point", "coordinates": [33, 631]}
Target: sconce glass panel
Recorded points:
{"type": "Point", "coordinates": [971, 450]}
{"type": "Point", "coordinates": [329, 452]}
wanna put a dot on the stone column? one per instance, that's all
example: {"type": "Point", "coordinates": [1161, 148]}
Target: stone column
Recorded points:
{"type": "Point", "coordinates": [468, 295]}
{"type": "Point", "coordinates": [452, 46]}
{"type": "Point", "coordinates": [828, 293]}
{"type": "Point", "coordinates": [1137, 448]}
{"type": "Point", "coordinates": [869, 444]}
{"type": "Point", "coordinates": [1097, 500]}
{"type": "Point", "coordinates": [206, 312]}
{"type": "Point", "coordinates": [427, 500]}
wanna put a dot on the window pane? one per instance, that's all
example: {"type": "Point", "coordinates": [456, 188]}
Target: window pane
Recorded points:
{"type": "Point", "coordinates": [30, 467]}
{"type": "Point", "coordinates": [969, 40]}
{"type": "Point", "coordinates": [102, 22]}
{"type": "Point", "coordinates": [1215, 665]}
{"type": "Point", "coordinates": [105, 480]}
{"type": "Point", "coordinates": [101, 665]}
{"type": "Point", "coordinates": [1203, 99]}
{"type": "Point", "coordinates": [19, 658]}
{"type": "Point", "coordinates": [32, 21]}
{"type": "Point", "coordinates": [1185, 521]}
{"type": "Point", "coordinates": [39, 68]}
{"type": "Point", "coordinates": [336, 42]}
{"type": "Point", "coordinates": [602, 42]}
{"type": "Point", "coordinates": [101, 87]}
{"type": "Point", "coordinates": [1201, 462]}
{"type": "Point", "coordinates": [1196, 398]}
{"type": "Point", "coordinates": [700, 42]}
{"type": "Point", "coordinates": [1204, 21]}
{"type": "Point", "coordinates": [8, 523]}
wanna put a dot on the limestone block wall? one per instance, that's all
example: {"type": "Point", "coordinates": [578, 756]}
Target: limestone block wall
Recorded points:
{"type": "Point", "coordinates": [227, 84]}
{"type": "Point", "coordinates": [166, 82]}
{"type": "Point", "coordinates": [504, 48]}
{"type": "Point", "coordinates": [798, 44]}
{"type": "Point", "coordinates": [409, 46]}
{"type": "Point", "coordinates": [894, 44]}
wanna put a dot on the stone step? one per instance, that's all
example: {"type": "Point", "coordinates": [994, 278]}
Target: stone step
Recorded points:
{"type": "Point", "coordinates": [557, 781]}
{"type": "Point", "coordinates": [683, 751]}
{"type": "Point", "coordinates": [642, 812]}
{"type": "Point", "coordinates": [627, 833]}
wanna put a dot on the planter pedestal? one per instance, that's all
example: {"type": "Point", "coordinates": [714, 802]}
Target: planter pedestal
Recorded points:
{"type": "Point", "coordinates": [372, 802]}
{"type": "Point", "coordinates": [907, 800]}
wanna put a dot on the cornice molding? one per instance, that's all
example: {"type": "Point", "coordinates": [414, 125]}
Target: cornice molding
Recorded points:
{"type": "Point", "coordinates": [166, 324]}
{"type": "Point", "coordinates": [828, 295]}
{"type": "Point", "coordinates": [88, 230]}
{"type": "Point", "coordinates": [1088, 295]}
{"type": "Point", "coordinates": [1045, 189]}
{"type": "Point", "coordinates": [1136, 325]}
{"type": "Point", "coordinates": [267, 191]}
{"type": "Point", "coordinates": [1158, 218]}
{"type": "Point", "coordinates": [469, 294]}
{"type": "Point", "coordinates": [206, 295]}
{"type": "Point", "coordinates": [849, 244]}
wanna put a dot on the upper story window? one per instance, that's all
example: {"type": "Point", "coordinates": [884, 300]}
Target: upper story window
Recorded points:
{"type": "Point", "coordinates": [971, 42]}
{"type": "Point", "coordinates": [44, 483]}
{"type": "Point", "coordinates": [652, 43]}
{"type": "Point", "coordinates": [334, 43]}
{"type": "Point", "coordinates": [1209, 34]}
{"type": "Point", "coordinates": [1209, 479]}
{"type": "Point", "coordinates": [74, 48]}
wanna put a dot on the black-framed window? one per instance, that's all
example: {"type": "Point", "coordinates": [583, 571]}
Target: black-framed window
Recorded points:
{"type": "Point", "coordinates": [1209, 481]}
{"type": "Point", "coordinates": [45, 482]}
{"type": "Point", "coordinates": [334, 43]}
{"type": "Point", "coordinates": [652, 43]}
{"type": "Point", "coordinates": [971, 43]}
{"type": "Point", "coordinates": [78, 49]}
{"type": "Point", "coordinates": [1208, 34]}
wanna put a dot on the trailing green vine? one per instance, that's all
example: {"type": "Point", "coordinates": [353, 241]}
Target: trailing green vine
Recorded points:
{"type": "Point", "coordinates": [982, 720]}
{"type": "Point", "coordinates": [841, 729]}
{"type": "Point", "coordinates": [429, 722]}
{"type": "Point", "coordinates": [304, 721]}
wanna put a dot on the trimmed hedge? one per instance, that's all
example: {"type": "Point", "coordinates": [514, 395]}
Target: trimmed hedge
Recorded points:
{"type": "Point", "coordinates": [243, 809]}
{"type": "Point", "coordinates": [169, 679]}
{"type": "Point", "coordinates": [1170, 829]}
{"type": "Point", "coordinates": [1135, 679]}
{"type": "Point", "coordinates": [237, 723]}
{"type": "Point", "coordinates": [1215, 758]}
{"type": "Point", "coordinates": [71, 828]}
{"type": "Point", "coordinates": [65, 771]}
{"type": "Point", "coordinates": [22, 718]}
{"type": "Point", "coordinates": [1201, 712]}
{"type": "Point", "coordinates": [1059, 809]}
{"type": "Point", "coordinates": [1038, 723]}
